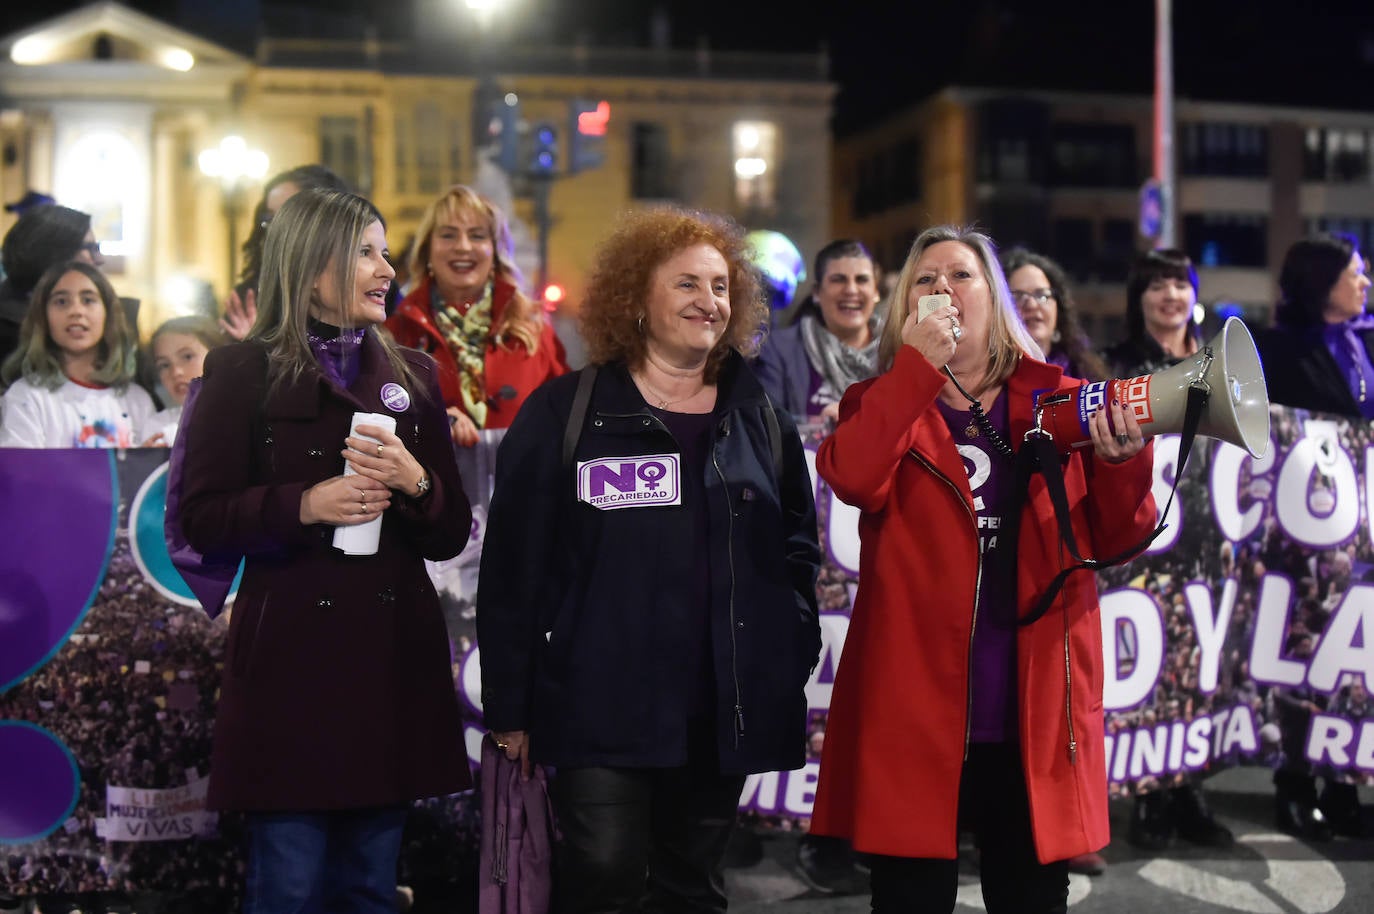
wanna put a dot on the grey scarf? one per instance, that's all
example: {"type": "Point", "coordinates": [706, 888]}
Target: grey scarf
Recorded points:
{"type": "Point", "coordinates": [838, 364]}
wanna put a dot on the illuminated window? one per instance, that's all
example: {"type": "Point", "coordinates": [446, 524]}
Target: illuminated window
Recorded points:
{"type": "Point", "coordinates": [98, 176]}
{"type": "Point", "coordinates": [755, 155]}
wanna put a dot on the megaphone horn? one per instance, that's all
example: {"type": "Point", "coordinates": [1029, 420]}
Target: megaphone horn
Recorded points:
{"type": "Point", "coordinates": [1227, 367]}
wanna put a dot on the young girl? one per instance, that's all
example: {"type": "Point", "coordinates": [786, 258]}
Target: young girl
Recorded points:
{"type": "Point", "coordinates": [71, 379]}
{"type": "Point", "coordinates": [178, 349]}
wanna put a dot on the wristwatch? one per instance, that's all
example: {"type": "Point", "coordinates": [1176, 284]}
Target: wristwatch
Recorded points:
{"type": "Point", "coordinates": [422, 487]}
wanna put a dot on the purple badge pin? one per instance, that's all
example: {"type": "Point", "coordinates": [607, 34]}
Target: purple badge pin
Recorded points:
{"type": "Point", "coordinates": [394, 397]}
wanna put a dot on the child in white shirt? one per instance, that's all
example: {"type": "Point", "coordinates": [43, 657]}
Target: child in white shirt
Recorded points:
{"type": "Point", "coordinates": [178, 349]}
{"type": "Point", "coordinates": [71, 378]}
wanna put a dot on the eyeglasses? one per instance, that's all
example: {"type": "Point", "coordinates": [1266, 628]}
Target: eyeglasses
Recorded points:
{"type": "Point", "coordinates": [1039, 296]}
{"type": "Point", "coordinates": [92, 248]}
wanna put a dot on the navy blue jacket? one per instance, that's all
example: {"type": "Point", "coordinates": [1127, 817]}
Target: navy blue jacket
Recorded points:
{"type": "Point", "coordinates": [581, 645]}
{"type": "Point", "coordinates": [784, 369]}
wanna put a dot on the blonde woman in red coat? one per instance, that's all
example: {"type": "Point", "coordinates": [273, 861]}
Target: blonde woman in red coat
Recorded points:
{"type": "Point", "coordinates": [947, 714]}
{"type": "Point", "coordinates": [491, 342]}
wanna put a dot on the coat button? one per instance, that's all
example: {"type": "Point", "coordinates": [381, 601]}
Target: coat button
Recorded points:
{"type": "Point", "coordinates": [315, 452]}
{"type": "Point", "coordinates": [387, 595]}
{"type": "Point", "coordinates": [324, 603]}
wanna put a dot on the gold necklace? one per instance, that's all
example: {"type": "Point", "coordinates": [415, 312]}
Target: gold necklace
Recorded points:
{"type": "Point", "coordinates": [664, 402]}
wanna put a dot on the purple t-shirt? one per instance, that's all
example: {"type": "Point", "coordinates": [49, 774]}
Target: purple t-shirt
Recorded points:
{"type": "Point", "coordinates": [993, 664]}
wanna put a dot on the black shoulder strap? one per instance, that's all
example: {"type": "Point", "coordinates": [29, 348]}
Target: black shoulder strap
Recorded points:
{"type": "Point", "coordinates": [774, 435]}
{"type": "Point", "coordinates": [1039, 455]}
{"type": "Point", "coordinates": [582, 398]}
{"type": "Point", "coordinates": [573, 430]}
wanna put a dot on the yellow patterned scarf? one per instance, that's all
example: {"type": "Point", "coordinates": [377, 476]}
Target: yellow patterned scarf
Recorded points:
{"type": "Point", "coordinates": [467, 336]}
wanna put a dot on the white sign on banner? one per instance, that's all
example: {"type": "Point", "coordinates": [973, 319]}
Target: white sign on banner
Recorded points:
{"type": "Point", "coordinates": [176, 813]}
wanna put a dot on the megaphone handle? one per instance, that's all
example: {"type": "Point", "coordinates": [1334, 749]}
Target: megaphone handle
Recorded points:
{"type": "Point", "coordinates": [1054, 485]}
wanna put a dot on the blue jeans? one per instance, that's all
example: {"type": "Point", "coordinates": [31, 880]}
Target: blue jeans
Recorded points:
{"type": "Point", "coordinates": [323, 863]}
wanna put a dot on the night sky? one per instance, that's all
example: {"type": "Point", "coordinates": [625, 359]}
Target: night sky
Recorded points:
{"type": "Point", "coordinates": [1316, 54]}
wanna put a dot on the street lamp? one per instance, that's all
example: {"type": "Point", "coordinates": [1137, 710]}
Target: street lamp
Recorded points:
{"type": "Point", "coordinates": [236, 166]}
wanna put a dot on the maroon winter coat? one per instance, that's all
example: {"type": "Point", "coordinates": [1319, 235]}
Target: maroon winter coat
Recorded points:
{"type": "Point", "coordinates": [336, 689]}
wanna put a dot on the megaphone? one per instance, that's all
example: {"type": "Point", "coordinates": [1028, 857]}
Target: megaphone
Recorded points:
{"type": "Point", "coordinates": [1226, 368]}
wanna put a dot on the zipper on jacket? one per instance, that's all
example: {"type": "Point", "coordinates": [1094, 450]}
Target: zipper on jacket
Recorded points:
{"type": "Point", "coordinates": [1068, 690]}
{"type": "Point", "coordinates": [730, 549]}
{"type": "Point", "coordinates": [977, 592]}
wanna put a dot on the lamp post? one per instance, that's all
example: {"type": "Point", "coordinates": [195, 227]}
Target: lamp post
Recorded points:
{"type": "Point", "coordinates": [235, 166]}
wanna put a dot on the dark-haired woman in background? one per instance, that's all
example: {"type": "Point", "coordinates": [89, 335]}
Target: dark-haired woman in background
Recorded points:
{"type": "Point", "coordinates": [1317, 354]}
{"type": "Point", "coordinates": [43, 237]}
{"type": "Point", "coordinates": [1040, 289]}
{"type": "Point", "coordinates": [242, 307]}
{"type": "Point", "coordinates": [1161, 292]}
{"type": "Point", "coordinates": [832, 338]}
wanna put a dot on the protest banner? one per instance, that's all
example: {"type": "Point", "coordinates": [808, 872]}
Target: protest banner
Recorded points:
{"type": "Point", "coordinates": [1262, 584]}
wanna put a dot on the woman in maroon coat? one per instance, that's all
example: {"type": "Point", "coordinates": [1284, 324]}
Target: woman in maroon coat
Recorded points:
{"type": "Point", "coordinates": [336, 708]}
{"type": "Point", "coordinates": [948, 712]}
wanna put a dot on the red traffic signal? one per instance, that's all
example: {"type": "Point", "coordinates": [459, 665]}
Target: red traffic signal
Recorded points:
{"type": "Point", "coordinates": [593, 122]}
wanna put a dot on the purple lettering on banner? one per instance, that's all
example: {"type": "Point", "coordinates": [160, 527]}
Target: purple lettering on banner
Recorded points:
{"type": "Point", "coordinates": [611, 483]}
{"type": "Point", "coordinates": [395, 397]}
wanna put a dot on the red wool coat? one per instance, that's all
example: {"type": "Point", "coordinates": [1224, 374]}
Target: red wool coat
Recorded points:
{"type": "Point", "coordinates": [895, 740]}
{"type": "Point", "coordinates": [510, 371]}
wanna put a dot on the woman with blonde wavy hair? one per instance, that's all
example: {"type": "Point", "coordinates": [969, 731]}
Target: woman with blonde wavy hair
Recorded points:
{"type": "Point", "coordinates": [996, 717]}
{"type": "Point", "coordinates": [491, 341]}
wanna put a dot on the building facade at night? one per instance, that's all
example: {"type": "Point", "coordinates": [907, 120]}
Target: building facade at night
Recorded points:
{"type": "Point", "coordinates": [108, 110]}
{"type": "Point", "coordinates": [1061, 173]}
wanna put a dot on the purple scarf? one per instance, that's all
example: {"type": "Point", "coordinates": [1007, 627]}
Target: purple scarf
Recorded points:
{"type": "Point", "coordinates": [1344, 342]}
{"type": "Point", "coordinates": [337, 350]}
{"type": "Point", "coordinates": [515, 859]}
{"type": "Point", "coordinates": [209, 578]}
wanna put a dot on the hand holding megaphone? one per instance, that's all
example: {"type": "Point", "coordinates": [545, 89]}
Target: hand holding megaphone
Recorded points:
{"type": "Point", "coordinates": [1115, 434]}
{"type": "Point", "coordinates": [1226, 369]}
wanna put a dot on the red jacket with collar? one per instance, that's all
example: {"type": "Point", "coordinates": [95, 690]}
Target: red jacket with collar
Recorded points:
{"type": "Point", "coordinates": [511, 372]}
{"type": "Point", "coordinates": [896, 736]}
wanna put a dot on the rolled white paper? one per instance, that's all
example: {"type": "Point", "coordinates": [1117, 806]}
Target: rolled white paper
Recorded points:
{"type": "Point", "coordinates": [362, 539]}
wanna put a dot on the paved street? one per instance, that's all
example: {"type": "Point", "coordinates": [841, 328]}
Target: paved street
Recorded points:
{"type": "Point", "coordinates": [1267, 872]}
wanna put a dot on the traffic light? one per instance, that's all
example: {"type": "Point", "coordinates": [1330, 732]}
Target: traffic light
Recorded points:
{"type": "Point", "coordinates": [587, 122]}
{"type": "Point", "coordinates": [553, 294]}
{"type": "Point", "coordinates": [543, 159]}
{"type": "Point", "coordinates": [506, 125]}
{"type": "Point", "coordinates": [486, 99]}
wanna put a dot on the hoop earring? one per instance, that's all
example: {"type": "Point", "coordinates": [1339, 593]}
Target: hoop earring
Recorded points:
{"type": "Point", "coordinates": [640, 325]}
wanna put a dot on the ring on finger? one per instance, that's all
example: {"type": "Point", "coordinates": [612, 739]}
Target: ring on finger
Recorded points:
{"type": "Point", "coordinates": [379, 449]}
{"type": "Point", "coordinates": [957, 332]}
{"type": "Point", "coordinates": [1123, 439]}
